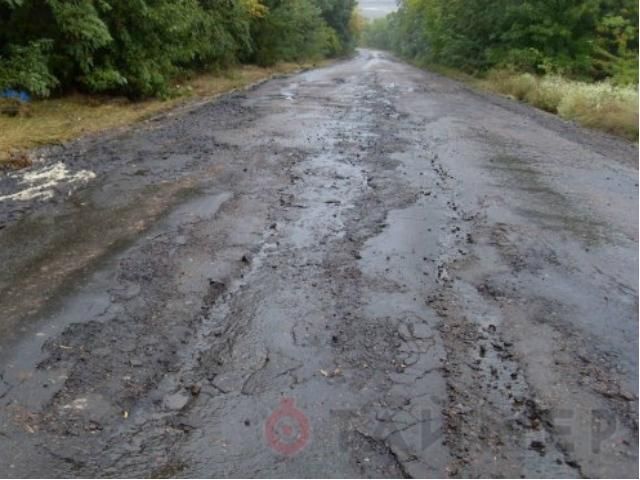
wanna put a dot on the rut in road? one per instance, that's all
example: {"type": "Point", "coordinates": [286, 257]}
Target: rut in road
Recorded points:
{"type": "Point", "coordinates": [364, 270]}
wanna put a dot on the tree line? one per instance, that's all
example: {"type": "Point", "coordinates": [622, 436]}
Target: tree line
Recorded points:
{"type": "Point", "coordinates": [585, 39]}
{"type": "Point", "coordinates": [136, 47]}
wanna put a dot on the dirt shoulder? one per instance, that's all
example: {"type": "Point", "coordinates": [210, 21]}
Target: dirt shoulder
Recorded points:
{"type": "Point", "coordinates": [57, 121]}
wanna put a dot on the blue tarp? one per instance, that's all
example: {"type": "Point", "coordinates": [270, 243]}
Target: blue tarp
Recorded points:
{"type": "Point", "coordinates": [21, 95]}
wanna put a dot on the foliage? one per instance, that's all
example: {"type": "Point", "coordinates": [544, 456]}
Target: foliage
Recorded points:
{"type": "Point", "coordinates": [25, 66]}
{"type": "Point", "coordinates": [594, 39]}
{"type": "Point", "coordinates": [297, 29]}
{"type": "Point", "coordinates": [136, 47]}
{"type": "Point", "coordinates": [604, 105]}
{"type": "Point", "coordinates": [293, 29]}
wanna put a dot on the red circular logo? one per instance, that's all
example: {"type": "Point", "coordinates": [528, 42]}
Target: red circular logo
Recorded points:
{"type": "Point", "coordinates": [287, 429]}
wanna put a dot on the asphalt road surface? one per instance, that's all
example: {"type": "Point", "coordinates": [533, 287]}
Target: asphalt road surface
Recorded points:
{"type": "Point", "coordinates": [363, 270]}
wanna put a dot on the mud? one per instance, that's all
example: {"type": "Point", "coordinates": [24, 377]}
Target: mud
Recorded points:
{"type": "Point", "coordinates": [436, 282]}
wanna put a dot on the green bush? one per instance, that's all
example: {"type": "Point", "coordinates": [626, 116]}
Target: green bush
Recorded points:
{"type": "Point", "coordinates": [292, 30]}
{"type": "Point", "coordinates": [137, 47]}
{"type": "Point", "coordinates": [26, 67]}
{"type": "Point", "coordinates": [593, 39]}
{"type": "Point", "coordinates": [296, 29]}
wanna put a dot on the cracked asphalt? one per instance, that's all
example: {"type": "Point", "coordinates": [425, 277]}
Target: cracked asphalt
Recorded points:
{"type": "Point", "coordinates": [364, 270]}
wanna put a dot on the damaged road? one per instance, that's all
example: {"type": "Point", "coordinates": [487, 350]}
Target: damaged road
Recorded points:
{"type": "Point", "coordinates": [365, 270]}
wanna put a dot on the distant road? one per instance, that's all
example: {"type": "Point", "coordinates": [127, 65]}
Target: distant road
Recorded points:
{"type": "Point", "coordinates": [377, 8]}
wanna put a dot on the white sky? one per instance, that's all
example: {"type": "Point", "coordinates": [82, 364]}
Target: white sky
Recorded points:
{"type": "Point", "coordinates": [376, 8]}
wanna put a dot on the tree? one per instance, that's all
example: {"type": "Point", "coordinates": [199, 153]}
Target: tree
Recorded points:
{"type": "Point", "coordinates": [137, 47]}
{"type": "Point", "coordinates": [583, 38]}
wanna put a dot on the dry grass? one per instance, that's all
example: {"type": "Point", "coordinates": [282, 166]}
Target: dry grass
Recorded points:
{"type": "Point", "coordinates": [601, 105]}
{"type": "Point", "coordinates": [57, 120]}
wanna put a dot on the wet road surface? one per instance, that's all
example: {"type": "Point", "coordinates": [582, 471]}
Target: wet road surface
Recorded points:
{"type": "Point", "coordinates": [363, 270]}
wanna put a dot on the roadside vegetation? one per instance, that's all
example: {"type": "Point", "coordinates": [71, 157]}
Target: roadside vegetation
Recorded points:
{"type": "Point", "coordinates": [137, 47]}
{"type": "Point", "coordinates": [575, 58]}
{"type": "Point", "coordinates": [602, 105]}
{"type": "Point", "coordinates": [55, 120]}
{"type": "Point", "coordinates": [103, 63]}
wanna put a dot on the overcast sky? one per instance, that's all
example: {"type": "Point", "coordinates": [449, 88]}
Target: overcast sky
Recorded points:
{"type": "Point", "coordinates": [376, 8]}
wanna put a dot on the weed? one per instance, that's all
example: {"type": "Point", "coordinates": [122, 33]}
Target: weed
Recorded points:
{"type": "Point", "coordinates": [600, 105]}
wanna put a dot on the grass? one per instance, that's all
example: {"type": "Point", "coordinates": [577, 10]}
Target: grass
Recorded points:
{"type": "Point", "coordinates": [57, 120]}
{"type": "Point", "coordinates": [601, 105]}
